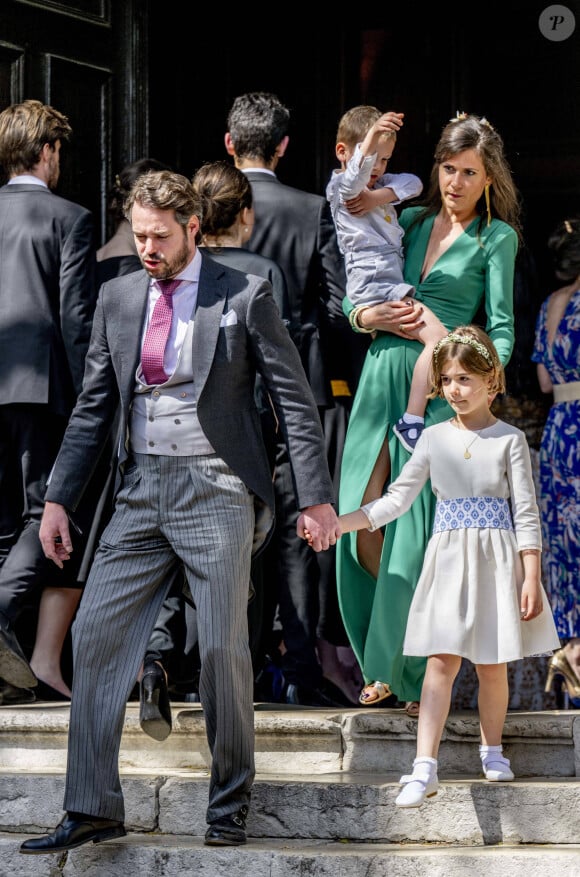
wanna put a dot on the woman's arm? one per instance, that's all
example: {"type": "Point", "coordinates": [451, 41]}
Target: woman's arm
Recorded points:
{"type": "Point", "coordinates": [499, 290]}
{"type": "Point", "coordinates": [544, 379]}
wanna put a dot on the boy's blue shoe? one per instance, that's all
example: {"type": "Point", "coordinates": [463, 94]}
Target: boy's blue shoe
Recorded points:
{"type": "Point", "coordinates": [408, 433]}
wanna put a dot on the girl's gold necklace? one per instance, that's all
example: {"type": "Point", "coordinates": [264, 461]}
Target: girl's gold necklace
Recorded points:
{"type": "Point", "coordinates": [466, 453]}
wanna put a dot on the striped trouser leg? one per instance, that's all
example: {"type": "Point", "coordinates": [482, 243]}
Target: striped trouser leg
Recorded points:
{"type": "Point", "coordinates": [192, 510]}
{"type": "Point", "coordinates": [216, 552]}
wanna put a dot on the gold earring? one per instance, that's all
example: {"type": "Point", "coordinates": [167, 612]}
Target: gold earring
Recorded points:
{"type": "Point", "coordinates": [487, 203]}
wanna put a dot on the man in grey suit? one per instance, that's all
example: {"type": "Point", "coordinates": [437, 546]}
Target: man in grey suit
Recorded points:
{"type": "Point", "coordinates": [47, 299]}
{"type": "Point", "coordinates": [196, 489]}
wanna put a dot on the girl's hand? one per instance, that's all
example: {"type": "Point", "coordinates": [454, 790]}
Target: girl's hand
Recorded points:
{"type": "Point", "coordinates": [531, 601]}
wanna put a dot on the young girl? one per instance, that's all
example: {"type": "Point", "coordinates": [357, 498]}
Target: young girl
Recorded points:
{"type": "Point", "coordinates": [479, 595]}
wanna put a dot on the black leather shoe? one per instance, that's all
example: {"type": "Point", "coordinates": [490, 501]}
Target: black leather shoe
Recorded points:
{"type": "Point", "coordinates": [14, 667]}
{"type": "Point", "coordinates": [228, 831]}
{"type": "Point", "coordinates": [74, 830]}
{"type": "Point", "coordinates": [154, 705]}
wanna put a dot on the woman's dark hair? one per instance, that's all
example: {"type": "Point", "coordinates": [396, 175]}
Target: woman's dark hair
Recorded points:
{"type": "Point", "coordinates": [475, 132]}
{"type": "Point", "coordinates": [564, 248]}
{"type": "Point", "coordinates": [224, 191]}
{"type": "Point", "coordinates": [124, 183]}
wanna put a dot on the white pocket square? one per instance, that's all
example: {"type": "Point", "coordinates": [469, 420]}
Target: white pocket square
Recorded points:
{"type": "Point", "coordinates": [229, 319]}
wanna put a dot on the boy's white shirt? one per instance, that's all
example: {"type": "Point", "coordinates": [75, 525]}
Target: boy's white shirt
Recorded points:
{"type": "Point", "coordinates": [379, 227]}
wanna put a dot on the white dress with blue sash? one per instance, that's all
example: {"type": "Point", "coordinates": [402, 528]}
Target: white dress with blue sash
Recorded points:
{"type": "Point", "coordinates": [467, 599]}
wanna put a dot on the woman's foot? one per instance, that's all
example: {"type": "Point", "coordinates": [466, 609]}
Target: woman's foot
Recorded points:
{"type": "Point", "coordinates": [53, 681]}
{"type": "Point", "coordinates": [422, 783]}
{"type": "Point", "coordinates": [45, 692]}
{"type": "Point", "coordinates": [412, 708]}
{"type": "Point", "coordinates": [374, 692]}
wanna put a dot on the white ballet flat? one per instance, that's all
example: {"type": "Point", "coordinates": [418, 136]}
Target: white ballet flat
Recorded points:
{"type": "Point", "coordinates": [496, 767]}
{"type": "Point", "coordinates": [417, 786]}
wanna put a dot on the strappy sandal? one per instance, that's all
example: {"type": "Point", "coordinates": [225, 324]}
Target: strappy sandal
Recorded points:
{"type": "Point", "coordinates": [412, 708]}
{"type": "Point", "coordinates": [374, 692]}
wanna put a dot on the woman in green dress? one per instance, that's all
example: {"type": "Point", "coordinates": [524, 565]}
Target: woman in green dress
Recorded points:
{"type": "Point", "coordinates": [460, 251]}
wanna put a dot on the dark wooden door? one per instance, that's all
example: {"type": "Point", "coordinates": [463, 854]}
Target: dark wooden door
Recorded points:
{"type": "Point", "coordinates": [86, 58]}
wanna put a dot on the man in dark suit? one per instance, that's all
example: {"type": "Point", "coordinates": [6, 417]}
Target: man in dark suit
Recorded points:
{"type": "Point", "coordinates": [47, 299]}
{"type": "Point", "coordinates": [196, 487]}
{"type": "Point", "coordinates": [296, 230]}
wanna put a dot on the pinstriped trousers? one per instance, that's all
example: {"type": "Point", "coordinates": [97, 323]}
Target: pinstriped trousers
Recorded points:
{"type": "Point", "coordinates": [169, 510]}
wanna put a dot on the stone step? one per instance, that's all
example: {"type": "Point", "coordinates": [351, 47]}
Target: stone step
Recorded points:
{"type": "Point", "coordinates": [306, 741]}
{"type": "Point", "coordinates": [347, 807]}
{"type": "Point", "coordinates": [323, 801]}
{"type": "Point", "coordinates": [155, 856]}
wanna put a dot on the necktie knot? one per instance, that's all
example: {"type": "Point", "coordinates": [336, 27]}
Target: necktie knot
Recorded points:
{"type": "Point", "coordinates": [168, 287]}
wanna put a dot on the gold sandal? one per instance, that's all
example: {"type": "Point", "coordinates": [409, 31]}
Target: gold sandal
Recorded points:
{"type": "Point", "coordinates": [380, 690]}
{"type": "Point", "coordinates": [412, 708]}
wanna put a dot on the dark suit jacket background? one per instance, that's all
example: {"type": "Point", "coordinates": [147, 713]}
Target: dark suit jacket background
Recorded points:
{"type": "Point", "coordinates": [295, 229]}
{"type": "Point", "coordinates": [47, 299]}
{"type": "Point", "coordinates": [47, 296]}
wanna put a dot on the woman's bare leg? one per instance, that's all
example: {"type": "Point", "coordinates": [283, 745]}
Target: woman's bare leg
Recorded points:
{"type": "Point", "coordinates": [55, 614]}
{"type": "Point", "coordinates": [370, 545]}
{"type": "Point", "coordinates": [340, 673]}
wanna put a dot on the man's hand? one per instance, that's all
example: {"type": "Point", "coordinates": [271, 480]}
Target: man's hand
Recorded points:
{"type": "Point", "coordinates": [319, 524]}
{"type": "Point", "coordinates": [55, 534]}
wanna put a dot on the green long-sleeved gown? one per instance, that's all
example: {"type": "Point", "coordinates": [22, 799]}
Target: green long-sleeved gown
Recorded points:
{"type": "Point", "coordinates": [478, 268]}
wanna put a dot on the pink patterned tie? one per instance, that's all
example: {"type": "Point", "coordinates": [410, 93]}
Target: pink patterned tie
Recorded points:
{"type": "Point", "coordinates": [157, 334]}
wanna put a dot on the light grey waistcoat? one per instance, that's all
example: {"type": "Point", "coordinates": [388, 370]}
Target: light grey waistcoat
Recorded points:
{"type": "Point", "coordinates": [164, 417]}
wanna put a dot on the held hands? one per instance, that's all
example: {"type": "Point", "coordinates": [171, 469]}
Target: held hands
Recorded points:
{"type": "Point", "coordinates": [318, 525]}
{"type": "Point", "coordinates": [55, 534]}
{"type": "Point", "coordinates": [348, 522]}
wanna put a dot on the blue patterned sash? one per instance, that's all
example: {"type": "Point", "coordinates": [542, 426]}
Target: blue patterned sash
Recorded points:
{"type": "Point", "coordinates": [472, 511]}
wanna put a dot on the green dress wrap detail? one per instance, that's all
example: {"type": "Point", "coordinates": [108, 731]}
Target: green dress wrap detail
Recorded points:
{"type": "Point", "coordinates": [478, 268]}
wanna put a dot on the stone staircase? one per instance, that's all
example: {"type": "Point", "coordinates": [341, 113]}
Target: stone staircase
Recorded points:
{"type": "Point", "coordinates": [323, 802]}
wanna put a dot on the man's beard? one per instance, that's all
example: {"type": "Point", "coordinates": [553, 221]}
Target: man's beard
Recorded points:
{"type": "Point", "coordinates": [175, 265]}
